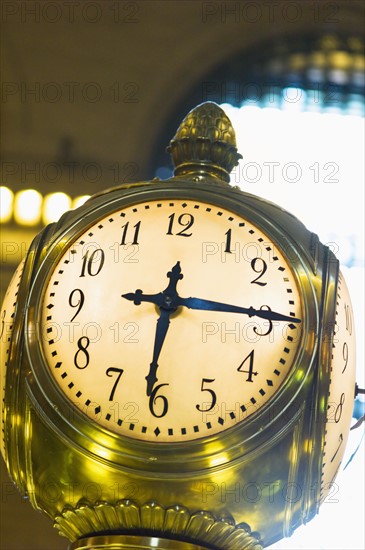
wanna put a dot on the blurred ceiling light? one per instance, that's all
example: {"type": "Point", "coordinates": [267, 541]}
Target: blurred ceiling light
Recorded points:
{"type": "Point", "coordinates": [79, 201]}
{"type": "Point", "coordinates": [54, 205]}
{"type": "Point", "coordinates": [27, 207]}
{"type": "Point", "coordinates": [6, 204]}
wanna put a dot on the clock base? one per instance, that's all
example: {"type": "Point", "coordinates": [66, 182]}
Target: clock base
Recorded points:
{"type": "Point", "coordinates": [132, 542]}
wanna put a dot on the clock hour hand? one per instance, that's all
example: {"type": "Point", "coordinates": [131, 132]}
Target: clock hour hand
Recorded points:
{"type": "Point", "coordinates": [209, 305]}
{"type": "Point", "coordinates": [166, 301]}
{"type": "Point", "coordinates": [162, 327]}
{"type": "Point", "coordinates": [138, 297]}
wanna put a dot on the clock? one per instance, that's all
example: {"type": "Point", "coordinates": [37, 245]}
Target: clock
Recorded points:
{"type": "Point", "coordinates": [172, 350]}
{"type": "Point", "coordinates": [170, 320]}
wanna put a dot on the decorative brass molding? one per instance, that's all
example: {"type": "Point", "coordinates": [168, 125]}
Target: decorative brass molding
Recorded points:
{"type": "Point", "coordinates": [175, 522]}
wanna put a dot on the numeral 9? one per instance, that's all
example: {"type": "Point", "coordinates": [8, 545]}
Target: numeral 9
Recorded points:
{"type": "Point", "coordinates": [75, 303]}
{"type": "Point", "coordinates": [345, 355]}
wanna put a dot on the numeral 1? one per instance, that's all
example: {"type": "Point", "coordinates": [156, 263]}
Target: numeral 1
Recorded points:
{"type": "Point", "coordinates": [228, 241]}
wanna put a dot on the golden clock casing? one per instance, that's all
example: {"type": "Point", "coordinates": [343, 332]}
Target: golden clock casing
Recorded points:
{"type": "Point", "coordinates": [282, 419]}
{"type": "Point", "coordinates": [258, 476]}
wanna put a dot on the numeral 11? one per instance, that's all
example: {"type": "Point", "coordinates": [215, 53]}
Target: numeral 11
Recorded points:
{"type": "Point", "coordinates": [125, 231]}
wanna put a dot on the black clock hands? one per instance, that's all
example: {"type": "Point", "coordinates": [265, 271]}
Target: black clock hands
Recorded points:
{"type": "Point", "coordinates": [166, 301]}
{"type": "Point", "coordinates": [209, 305]}
{"type": "Point", "coordinates": [169, 300]}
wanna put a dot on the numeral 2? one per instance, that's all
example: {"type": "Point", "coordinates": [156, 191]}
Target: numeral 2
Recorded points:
{"type": "Point", "coordinates": [259, 266]}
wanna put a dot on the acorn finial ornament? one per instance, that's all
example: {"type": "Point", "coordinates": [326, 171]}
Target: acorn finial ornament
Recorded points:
{"type": "Point", "coordinates": [205, 144]}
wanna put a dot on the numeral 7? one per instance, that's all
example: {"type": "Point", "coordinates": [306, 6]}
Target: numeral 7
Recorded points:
{"type": "Point", "coordinates": [109, 372]}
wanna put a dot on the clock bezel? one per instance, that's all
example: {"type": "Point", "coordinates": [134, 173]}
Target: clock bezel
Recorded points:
{"type": "Point", "coordinates": [189, 455]}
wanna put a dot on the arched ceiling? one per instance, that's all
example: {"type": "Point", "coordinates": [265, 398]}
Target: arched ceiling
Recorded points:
{"type": "Point", "coordinates": [83, 92]}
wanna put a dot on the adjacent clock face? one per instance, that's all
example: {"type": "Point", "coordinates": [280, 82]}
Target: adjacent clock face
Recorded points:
{"type": "Point", "coordinates": [7, 313]}
{"type": "Point", "coordinates": [171, 320]}
{"type": "Point", "coordinates": [341, 390]}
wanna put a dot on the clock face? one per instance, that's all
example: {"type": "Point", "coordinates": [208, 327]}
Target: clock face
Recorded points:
{"type": "Point", "coordinates": [341, 390]}
{"type": "Point", "coordinates": [171, 320]}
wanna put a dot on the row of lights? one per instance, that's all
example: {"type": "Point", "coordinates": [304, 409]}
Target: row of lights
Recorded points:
{"type": "Point", "coordinates": [30, 208]}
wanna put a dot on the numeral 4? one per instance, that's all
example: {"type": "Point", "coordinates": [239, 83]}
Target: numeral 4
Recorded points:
{"type": "Point", "coordinates": [249, 371]}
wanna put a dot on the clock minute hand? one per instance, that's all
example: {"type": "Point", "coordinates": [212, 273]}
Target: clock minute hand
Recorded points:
{"type": "Point", "coordinates": [209, 305]}
{"type": "Point", "coordinates": [166, 302]}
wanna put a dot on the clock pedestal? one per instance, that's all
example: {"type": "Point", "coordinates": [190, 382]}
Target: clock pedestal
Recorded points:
{"type": "Point", "coordinates": [132, 542]}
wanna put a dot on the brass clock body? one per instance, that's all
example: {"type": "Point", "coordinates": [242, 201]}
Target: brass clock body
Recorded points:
{"type": "Point", "coordinates": [173, 353]}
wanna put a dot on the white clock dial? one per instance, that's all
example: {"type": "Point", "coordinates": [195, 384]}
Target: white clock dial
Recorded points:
{"type": "Point", "coordinates": [342, 388]}
{"type": "Point", "coordinates": [147, 327]}
{"type": "Point", "coordinates": [8, 310]}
